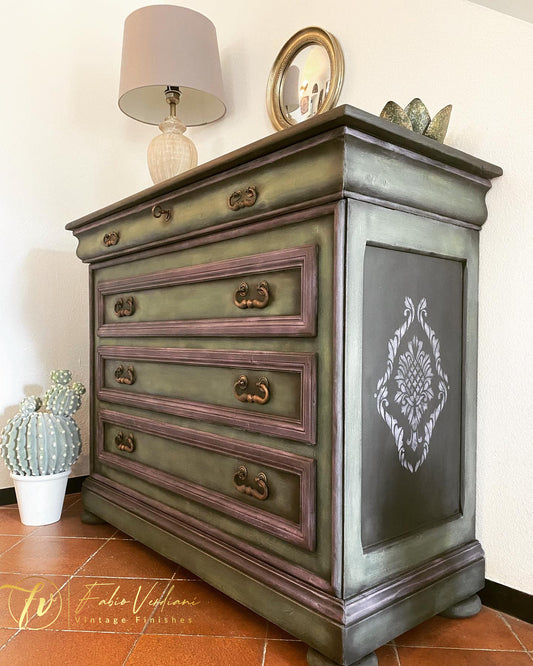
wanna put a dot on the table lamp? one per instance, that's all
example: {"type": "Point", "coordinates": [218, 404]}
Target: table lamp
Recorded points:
{"type": "Point", "coordinates": [171, 77]}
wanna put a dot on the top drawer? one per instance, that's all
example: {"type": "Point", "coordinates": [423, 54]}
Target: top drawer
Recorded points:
{"type": "Point", "coordinates": [180, 210]}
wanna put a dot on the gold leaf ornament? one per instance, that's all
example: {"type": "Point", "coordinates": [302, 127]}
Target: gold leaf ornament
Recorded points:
{"type": "Point", "coordinates": [416, 118]}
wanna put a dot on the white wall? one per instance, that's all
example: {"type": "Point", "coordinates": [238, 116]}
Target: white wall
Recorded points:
{"type": "Point", "coordinates": [67, 150]}
{"type": "Point", "coordinates": [522, 9]}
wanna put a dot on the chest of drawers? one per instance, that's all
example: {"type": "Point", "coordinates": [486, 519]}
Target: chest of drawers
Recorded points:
{"type": "Point", "coordinates": [284, 377]}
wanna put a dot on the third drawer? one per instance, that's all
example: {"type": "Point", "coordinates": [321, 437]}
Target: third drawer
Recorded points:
{"type": "Point", "coordinates": [271, 490]}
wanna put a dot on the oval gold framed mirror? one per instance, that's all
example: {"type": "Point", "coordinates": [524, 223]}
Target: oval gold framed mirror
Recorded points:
{"type": "Point", "coordinates": [306, 77]}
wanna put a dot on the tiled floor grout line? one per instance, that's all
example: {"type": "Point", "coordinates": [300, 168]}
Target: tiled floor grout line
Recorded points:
{"type": "Point", "coordinates": [105, 541]}
{"type": "Point", "coordinates": [65, 584]}
{"type": "Point", "coordinates": [159, 578]}
{"type": "Point", "coordinates": [21, 537]}
{"type": "Point", "coordinates": [134, 633]}
{"type": "Point", "coordinates": [156, 607]}
{"type": "Point", "coordinates": [396, 654]}
{"type": "Point", "coordinates": [264, 651]}
{"type": "Point", "coordinates": [26, 536]}
{"type": "Point", "coordinates": [174, 578]}
{"type": "Point", "coordinates": [512, 631]}
{"type": "Point", "coordinates": [69, 576]}
{"type": "Point", "coordinates": [265, 644]}
{"type": "Point", "coordinates": [467, 649]}
{"type": "Point", "coordinates": [134, 645]}
{"type": "Point", "coordinates": [80, 538]}
{"type": "Point", "coordinates": [236, 637]}
{"type": "Point", "coordinates": [17, 632]}
{"type": "Point", "coordinates": [147, 623]}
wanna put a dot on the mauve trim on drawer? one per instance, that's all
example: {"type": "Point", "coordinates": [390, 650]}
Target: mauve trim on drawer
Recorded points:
{"type": "Point", "coordinates": [302, 429]}
{"type": "Point", "coordinates": [302, 533]}
{"type": "Point", "coordinates": [304, 324]}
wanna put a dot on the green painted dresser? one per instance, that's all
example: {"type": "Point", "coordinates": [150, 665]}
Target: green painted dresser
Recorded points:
{"type": "Point", "coordinates": [284, 377]}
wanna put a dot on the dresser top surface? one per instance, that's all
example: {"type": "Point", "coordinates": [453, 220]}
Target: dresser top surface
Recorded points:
{"type": "Point", "coordinates": [343, 117]}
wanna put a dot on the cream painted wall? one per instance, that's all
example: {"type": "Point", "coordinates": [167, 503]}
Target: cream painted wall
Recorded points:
{"type": "Point", "coordinates": [522, 9]}
{"type": "Point", "coordinates": [66, 150]}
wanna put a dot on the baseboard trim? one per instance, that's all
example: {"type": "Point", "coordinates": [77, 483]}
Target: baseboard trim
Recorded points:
{"type": "Point", "coordinates": [507, 600]}
{"type": "Point", "coordinates": [7, 495]}
{"type": "Point", "coordinates": [74, 484]}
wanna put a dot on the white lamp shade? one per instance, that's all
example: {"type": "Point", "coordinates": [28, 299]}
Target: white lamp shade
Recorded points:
{"type": "Point", "coordinates": [165, 45]}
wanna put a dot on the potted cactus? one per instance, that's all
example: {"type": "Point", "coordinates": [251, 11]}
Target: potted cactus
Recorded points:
{"type": "Point", "coordinates": [39, 446]}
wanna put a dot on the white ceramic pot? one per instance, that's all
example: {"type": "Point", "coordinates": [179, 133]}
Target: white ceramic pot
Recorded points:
{"type": "Point", "coordinates": [40, 498]}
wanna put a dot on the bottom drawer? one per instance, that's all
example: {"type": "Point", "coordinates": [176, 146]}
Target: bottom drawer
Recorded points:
{"type": "Point", "coordinates": [271, 490]}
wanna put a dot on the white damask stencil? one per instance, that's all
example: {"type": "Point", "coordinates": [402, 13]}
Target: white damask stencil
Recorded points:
{"type": "Point", "coordinates": [418, 377]}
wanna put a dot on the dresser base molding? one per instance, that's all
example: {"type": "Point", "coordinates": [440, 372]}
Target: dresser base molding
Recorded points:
{"type": "Point", "coordinates": [341, 631]}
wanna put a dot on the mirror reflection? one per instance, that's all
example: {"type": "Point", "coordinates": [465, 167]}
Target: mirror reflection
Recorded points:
{"type": "Point", "coordinates": [305, 84]}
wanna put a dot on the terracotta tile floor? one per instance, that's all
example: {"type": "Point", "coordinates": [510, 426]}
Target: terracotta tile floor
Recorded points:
{"type": "Point", "coordinates": [108, 600]}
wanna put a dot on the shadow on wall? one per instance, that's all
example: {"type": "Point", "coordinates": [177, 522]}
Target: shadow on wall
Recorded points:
{"type": "Point", "coordinates": [55, 313]}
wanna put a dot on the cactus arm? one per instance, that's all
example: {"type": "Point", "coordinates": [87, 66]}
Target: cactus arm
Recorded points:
{"type": "Point", "coordinates": [9, 435]}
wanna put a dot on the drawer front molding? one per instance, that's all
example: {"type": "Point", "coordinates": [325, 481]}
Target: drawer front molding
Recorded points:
{"type": "Point", "coordinates": [301, 429]}
{"type": "Point", "coordinates": [302, 533]}
{"type": "Point", "coordinates": [303, 323]}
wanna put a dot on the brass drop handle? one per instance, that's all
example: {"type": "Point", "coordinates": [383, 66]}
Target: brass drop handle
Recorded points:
{"type": "Point", "coordinates": [158, 211]}
{"type": "Point", "coordinates": [239, 479]}
{"type": "Point", "coordinates": [242, 198]}
{"type": "Point", "coordinates": [240, 300]}
{"type": "Point", "coordinates": [240, 386]}
{"type": "Point", "coordinates": [125, 308]}
{"type": "Point", "coordinates": [111, 238]}
{"type": "Point", "coordinates": [125, 443]}
{"type": "Point", "coordinates": [125, 375]}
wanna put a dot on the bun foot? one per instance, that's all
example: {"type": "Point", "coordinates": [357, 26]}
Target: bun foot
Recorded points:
{"type": "Point", "coordinates": [90, 519]}
{"type": "Point", "coordinates": [466, 608]}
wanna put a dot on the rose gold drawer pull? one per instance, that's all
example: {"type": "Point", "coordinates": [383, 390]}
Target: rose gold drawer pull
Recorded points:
{"type": "Point", "coordinates": [242, 302]}
{"type": "Point", "coordinates": [242, 384]}
{"type": "Point", "coordinates": [112, 238]}
{"type": "Point", "coordinates": [125, 376]}
{"type": "Point", "coordinates": [242, 198]}
{"type": "Point", "coordinates": [125, 308]}
{"type": "Point", "coordinates": [239, 479]}
{"type": "Point", "coordinates": [158, 212]}
{"type": "Point", "coordinates": [125, 443]}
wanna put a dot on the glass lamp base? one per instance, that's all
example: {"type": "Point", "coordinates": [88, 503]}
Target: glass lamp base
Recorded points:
{"type": "Point", "coordinates": [171, 153]}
